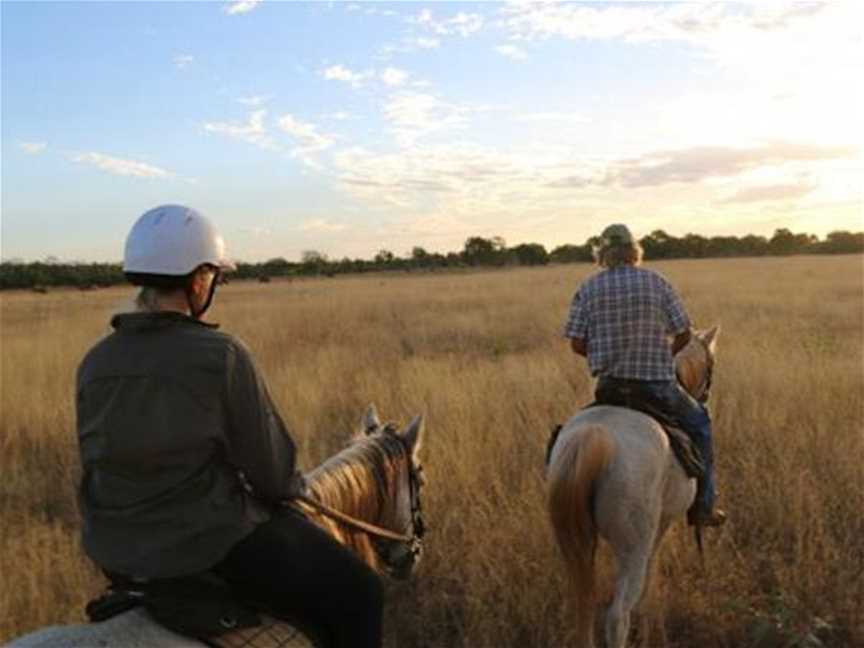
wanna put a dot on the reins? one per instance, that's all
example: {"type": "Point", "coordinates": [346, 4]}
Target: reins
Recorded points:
{"type": "Point", "coordinates": [366, 527]}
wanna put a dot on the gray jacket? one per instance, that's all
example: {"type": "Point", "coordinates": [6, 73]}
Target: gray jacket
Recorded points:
{"type": "Point", "coordinates": [169, 410]}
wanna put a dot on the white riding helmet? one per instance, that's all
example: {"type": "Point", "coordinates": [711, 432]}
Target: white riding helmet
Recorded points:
{"type": "Point", "coordinates": [173, 240]}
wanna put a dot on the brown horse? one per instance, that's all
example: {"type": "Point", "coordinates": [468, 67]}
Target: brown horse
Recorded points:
{"type": "Point", "coordinates": [367, 496]}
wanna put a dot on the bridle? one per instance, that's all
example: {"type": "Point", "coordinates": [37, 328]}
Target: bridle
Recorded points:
{"type": "Point", "coordinates": [414, 539]}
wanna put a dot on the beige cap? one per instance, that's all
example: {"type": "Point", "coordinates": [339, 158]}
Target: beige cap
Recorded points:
{"type": "Point", "coordinates": [617, 234]}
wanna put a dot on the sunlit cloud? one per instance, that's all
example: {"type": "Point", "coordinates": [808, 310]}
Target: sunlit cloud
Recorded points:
{"type": "Point", "coordinates": [253, 131]}
{"type": "Point", "coordinates": [241, 7]}
{"type": "Point", "coordinates": [770, 193]}
{"type": "Point", "coordinates": [120, 166]}
{"type": "Point", "coordinates": [704, 162]}
{"type": "Point", "coordinates": [33, 148]}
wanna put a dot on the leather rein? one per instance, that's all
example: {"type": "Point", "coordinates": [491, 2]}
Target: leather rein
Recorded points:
{"type": "Point", "coordinates": [418, 527]}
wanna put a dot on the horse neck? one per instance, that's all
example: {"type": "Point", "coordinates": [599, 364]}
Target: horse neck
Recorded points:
{"type": "Point", "coordinates": [360, 481]}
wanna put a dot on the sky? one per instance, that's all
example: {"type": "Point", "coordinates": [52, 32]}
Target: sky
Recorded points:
{"type": "Point", "coordinates": [351, 127]}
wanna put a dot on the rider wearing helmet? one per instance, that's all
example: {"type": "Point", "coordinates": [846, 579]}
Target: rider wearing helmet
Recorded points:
{"type": "Point", "coordinates": [175, 422]}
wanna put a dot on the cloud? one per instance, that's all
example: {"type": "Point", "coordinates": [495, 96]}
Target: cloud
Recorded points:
{"type": "Point", "coordinates": [119, 166]}
{"type": "Point", "coordinates": [415, 115]}
{"type": "Point", "coordinates": [553, 117]}
{"type": "Point", "coordinates": [704, 162]}
{"type": "Point", "coordinates": [33, 148]}
{"type": "Point", "coordinates": [770, 193]}
{"type": "Point", "coordinates": [306, 135]}
{"type": "Point", "coordinates": [255, 100]}
{"type": "Point", "coordinates": [322, 226]}
{"type": "Point", "coordinates": [253, 131]}
{"type": "Point", "coordinates": [462, 24]}
{"type": "Point", "coordinates": [182, 61]}
{"type": "Point", "coordinates": [512, 52]}
{"type": "Point", "coordinates": [393, 76]}
{"type": "Point", "coordinates": [342, 73]}
{"type": "Point", "coordinates": [694, 22]}
{"type": "Point", "coordinates": [240, 7]}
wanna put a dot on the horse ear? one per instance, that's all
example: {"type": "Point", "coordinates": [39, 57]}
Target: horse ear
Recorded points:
{"type": "Point", "coordinates": [710, 337]}
{"type": "Point", "coordinates": [413, 433]}
{"type": "Point", "coordinates": [370, 421]}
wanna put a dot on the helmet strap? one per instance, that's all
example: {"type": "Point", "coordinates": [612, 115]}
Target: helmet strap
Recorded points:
{"type": "Point", "coordinates": [198, 313]}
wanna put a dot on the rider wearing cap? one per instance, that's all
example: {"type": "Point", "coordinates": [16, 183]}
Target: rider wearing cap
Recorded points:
{"type": "Point", "coordinates": [621, 319]}
{"type": "Point", "coordinates": [172, 416]}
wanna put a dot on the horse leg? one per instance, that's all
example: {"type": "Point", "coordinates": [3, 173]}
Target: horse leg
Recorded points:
{"type": "Point", "coordinates": [629, 585]}
{"type": "Point", "coordinates": [664, 525]}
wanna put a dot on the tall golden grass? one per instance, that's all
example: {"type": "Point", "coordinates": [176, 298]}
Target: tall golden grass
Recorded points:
{"type": "Point", "coordinates": [481, 355]}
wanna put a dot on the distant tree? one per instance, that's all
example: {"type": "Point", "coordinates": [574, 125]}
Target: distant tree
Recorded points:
{"type": "Point", "coordinates": [842, 242]}
{"type": "Point", "coordinates": [384, 257]}
{"type": "Point", "coordinates": [785, 242]}
{"type": "Point", "coordinates": [752, 245]}
{"type": "Point", "coordinates": [530, 254]}
{"type": "Point", "coordinates": [313, 262]}
{"type": "Point", "coordinates": [478, 251]}
{"type": "Point", "coordinates": [568, 253]}
{"type": "Point", "coordinates": [277, 267]}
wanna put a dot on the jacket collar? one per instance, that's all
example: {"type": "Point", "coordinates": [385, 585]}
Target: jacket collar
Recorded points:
{"type": "Point", "coordinates": [155, 320]}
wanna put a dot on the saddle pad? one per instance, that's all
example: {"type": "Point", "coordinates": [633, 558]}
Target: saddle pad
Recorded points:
{"type": "Point", "coordinates": [272, 633]}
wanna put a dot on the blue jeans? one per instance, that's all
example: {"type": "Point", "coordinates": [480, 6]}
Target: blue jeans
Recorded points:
{"type": "Point", "coordinates": [671, 399]}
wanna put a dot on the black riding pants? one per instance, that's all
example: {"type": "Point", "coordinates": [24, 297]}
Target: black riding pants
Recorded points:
{"type": "Point", "coordinates": [297, 570]}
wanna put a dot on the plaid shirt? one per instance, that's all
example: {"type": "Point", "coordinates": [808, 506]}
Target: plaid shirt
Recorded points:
{"type": "Point", "coordinates": [625, 315]}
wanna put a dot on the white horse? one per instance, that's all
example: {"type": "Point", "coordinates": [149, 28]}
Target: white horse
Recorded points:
{"type": "Point", "coordinates": [611, 473]}
{"type": "Point", "coordinates": [367, 496]}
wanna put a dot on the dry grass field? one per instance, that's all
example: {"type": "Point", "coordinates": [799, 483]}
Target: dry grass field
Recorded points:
{"type": "Point", "coordinates": [481, 356]}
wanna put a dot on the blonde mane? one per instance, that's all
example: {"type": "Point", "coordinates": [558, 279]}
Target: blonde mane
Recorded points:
{"type": "Point", "coordinates": [359, 481]}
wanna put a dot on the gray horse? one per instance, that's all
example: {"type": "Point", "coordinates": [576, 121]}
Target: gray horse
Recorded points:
{"type": "Point", "coordinates": [612, 474]}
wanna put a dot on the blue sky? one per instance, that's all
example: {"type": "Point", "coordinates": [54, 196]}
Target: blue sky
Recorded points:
{"type": "Point", "coordinates": [348, 127]}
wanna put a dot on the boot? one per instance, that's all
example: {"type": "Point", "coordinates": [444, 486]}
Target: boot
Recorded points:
{"type": "Point", "coordinates": [710, 518]}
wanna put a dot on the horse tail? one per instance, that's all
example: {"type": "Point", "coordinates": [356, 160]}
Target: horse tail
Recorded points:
{"type": "Point", "coordinates": [572, 484]}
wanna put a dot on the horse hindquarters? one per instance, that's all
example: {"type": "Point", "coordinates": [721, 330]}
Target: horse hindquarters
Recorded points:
{"type": "Point", "coordinates": [573, 476]}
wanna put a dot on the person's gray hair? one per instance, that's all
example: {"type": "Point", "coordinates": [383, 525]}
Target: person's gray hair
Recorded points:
{"type": "Point", "coordinates": [149, 298]}
{"type": "Point", "coordinates": [618, 254]}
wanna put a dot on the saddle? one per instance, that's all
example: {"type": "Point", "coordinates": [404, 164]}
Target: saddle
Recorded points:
{"type": "Point", "coordinates": [685, 451]}
{"type": "Point", "coordinates": [203, 607]}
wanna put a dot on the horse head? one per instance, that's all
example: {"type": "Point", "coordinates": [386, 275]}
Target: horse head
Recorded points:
{"type": "Point", "coordinates": [371, 491]}
{"type": "Point", "coordinates": [405, 512]}
{"type": "Point", "coordinates": [694, 364]}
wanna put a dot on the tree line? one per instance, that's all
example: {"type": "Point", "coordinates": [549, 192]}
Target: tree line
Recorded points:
{"type": "Point", "coordinates": [476, 252]}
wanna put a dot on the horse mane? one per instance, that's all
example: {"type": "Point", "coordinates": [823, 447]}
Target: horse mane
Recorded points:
{"type": "Point", "coordinates": [359, 481]}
